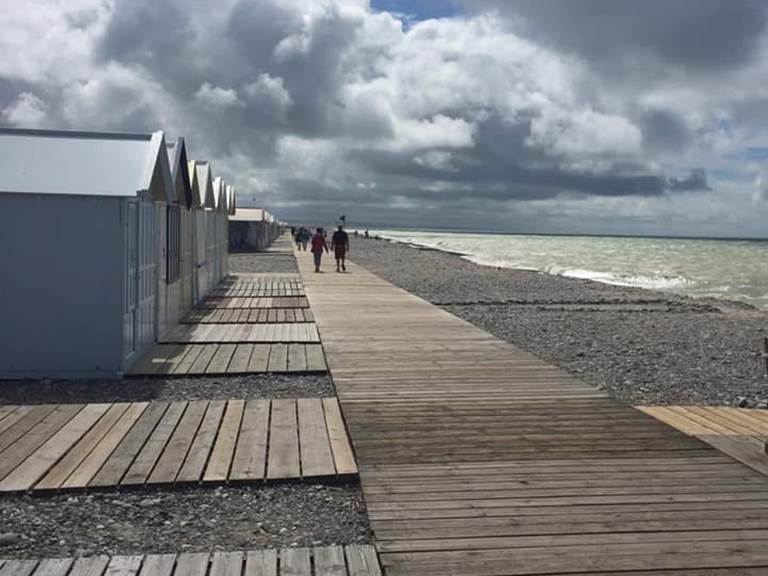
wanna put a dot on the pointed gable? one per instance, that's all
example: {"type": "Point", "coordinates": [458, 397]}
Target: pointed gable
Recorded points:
{"type": "Point", "coordinates": [205, 184]}
{"type": "Point", "coordinates": [177, 158]}
{"type": "Point", "coordinates": [231, 197]}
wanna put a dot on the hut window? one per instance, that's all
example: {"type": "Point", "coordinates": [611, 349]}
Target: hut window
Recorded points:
{"type": "Point", "coordinates": [173, 243]}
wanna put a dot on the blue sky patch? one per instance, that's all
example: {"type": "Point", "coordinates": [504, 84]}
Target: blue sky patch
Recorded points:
{"type": "Point", "coordinates": [415, 10]}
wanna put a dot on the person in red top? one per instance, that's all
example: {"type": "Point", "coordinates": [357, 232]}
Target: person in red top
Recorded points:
{"type": "Point", "coordinates": [318, 246]}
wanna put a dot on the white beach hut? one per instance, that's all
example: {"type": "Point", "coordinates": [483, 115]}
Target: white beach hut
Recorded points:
{"type": "Point", "coordinates": [80, 248]}
{"type": "Point", "coordinates": [203, 228]}
{"type": "Point", "coordinates": [252, 230]}
{"type": "Point", "coordinates": [179, 231]}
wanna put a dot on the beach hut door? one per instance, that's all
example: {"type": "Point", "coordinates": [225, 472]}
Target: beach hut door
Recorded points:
{"type": "Point", "coordinates": [147, 301]}
{"type": "Point", "coordinates": [131, 232]}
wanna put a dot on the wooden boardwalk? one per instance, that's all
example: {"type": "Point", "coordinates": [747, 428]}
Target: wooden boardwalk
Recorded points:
{"type": "Point", "coordinates": [246, 316]}
{"type": "Point", "coordinates": [353, 560]}
{"type": "Point", "coordinates": [230, 359]}
{"type": "Point", "coordinates": [254, 323]}
{"type": "Point", "coordinates": [739, 432]}
{"type": "Point", "coordinates": [479, 459]}
{"type": "Point", "coordinates": [244, 332]}
{"type": "Point", "coordinates": [76, 446]}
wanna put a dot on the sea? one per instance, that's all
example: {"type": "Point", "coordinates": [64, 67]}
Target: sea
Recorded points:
{"type": "Point", "coordinates": [717, 268]}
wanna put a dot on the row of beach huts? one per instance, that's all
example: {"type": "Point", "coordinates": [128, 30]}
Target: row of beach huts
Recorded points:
{"type": "Point", "coordinates": [106, 241]}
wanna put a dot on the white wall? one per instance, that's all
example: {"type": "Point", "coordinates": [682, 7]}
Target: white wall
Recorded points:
{"type": "Point", "coordinates": [61, 294]}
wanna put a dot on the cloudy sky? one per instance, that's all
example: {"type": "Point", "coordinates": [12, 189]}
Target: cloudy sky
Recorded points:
{"type": "Point", "coordinates": [597, 116]}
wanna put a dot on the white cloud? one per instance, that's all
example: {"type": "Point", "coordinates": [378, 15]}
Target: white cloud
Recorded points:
{"type": "Point", "coordinates": [216, 98]}
{"type": "Point", "coordinates": [27, 111]}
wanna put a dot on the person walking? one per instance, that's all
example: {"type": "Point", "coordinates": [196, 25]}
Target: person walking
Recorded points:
{"type": "Point", "coordinates": [305, 237]}
{"type": "Point", "coordinates": [340, 247]}
{"type": "Point", "coordinates": [318, 246]}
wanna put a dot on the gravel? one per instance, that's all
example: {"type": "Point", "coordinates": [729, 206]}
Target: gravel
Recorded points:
{"type": "Point", "coordinates": [262, 262]}
{"type": "Point", "coordinates": [188, 388]}
{"type": "Point", "coordinates": [644, 347]}
{"type": "Point", "coordinates": [182, 520]}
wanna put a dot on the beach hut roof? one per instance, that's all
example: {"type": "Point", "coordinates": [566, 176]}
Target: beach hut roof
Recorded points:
{"type": "Point", "coordinates": [177, 158]}
{"type": "Point", "coordinates": [219, 194]}
{"type": "Point", "coordinates": [84, 163]}
{"type": "Point", "coordinates": [205, 184]}
{"type": "Point", "coordinates": [249, 215]}
{"type": "Point", "coordinates": [231, 199]}
{"type": "Point", "coordinates": [194, 184]}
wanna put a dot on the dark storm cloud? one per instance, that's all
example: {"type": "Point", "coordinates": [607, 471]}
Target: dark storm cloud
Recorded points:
{"type": "Point", "coordinates": [664, 130]}
{"type": "Point", "coordinates": [331, 104]}
{"type": "Point", "coordinates": [690, 33]}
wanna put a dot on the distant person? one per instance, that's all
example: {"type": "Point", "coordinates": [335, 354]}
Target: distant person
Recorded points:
{"type": "Point", "coordinates": [297, 237]}
{"type": "Point", "coordinates": [355, 233]}
{"type": "Point", "coordinates": [305, 238]}
{"type": "Point", "coordinates": [340, 247]}
{"type": "Point", "coordinates": [318, 246]}
{"type": "Point", "coordinates": [366, 233]}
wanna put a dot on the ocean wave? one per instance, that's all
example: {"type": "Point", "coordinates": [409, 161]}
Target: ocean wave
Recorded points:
{"type": "Point", "coordinates": [660, 282]}
{"type": "Point", "coordinates": [692, 268]}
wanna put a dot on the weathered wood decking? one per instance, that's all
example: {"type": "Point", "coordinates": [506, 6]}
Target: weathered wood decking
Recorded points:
{"type": "Point", "coordinates": [479, 459]}
{"type": "Point", "coordinates": [252, 324]}
{"type": "Point", "coordinates": [739, 432]}
{"type": "Point", "coordinates": [76, 446]}
{"type": "Point", "coordinates": [353, 560]}
{"type": "Point", "coordinates": [230, 359]}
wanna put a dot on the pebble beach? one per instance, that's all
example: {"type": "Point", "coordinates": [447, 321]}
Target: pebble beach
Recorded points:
{"type": "Point", "coordinates": [644, 347]}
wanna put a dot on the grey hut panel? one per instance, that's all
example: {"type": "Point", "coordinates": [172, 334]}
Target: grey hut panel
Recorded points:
{"type": "Point", "coordinates": [62, 295]}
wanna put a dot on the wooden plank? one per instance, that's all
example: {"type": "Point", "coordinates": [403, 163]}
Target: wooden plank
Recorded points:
{"type": "Point", "coordinates": [90, 566]}
{"type": "Point", "coordinates": [226, 564]}
{"type": "Point", "coordinates": [37, 464]}
{"type": "Point", "coordinates": [158, 565]}
{"type": "Point", "coordinates": [315, 449]}
{"type": "Point", "coordinates": [315, 358]}
{"type": "Point", "coordinates": [343, 457]}
{"type": "Point", "coordinates": [175, 359]}
{"type": "Point", "coordinates": [27, 417]}
{"type": "Point", "coordinates": [224, 448]}
{"type": "Point", "coordinates": [145, 460]}
{"type": "Point", "coordinates": [192, 564]}
{"type": "Point", "coordinates": [194, 465]}
{"type": "Point", "coordinates": [295, 562]}
{"type": "Point", "coordinates": [278, 358]}
{"type": "Point", "coordinates": [189, 359]}
{"type": "Point", "coordinates": [5, 412]}
{"type": "Point", "coordinates": [362, 560]}
{"type": "Point", "coordinates": [297, 358]}
{"type": "Point", "coordinates": [124, 566]}
{"type": "Point", "coordinates": [123, 455]}
{"type": "Point", "coordinates": [53, 567]}
{"type": "Point", "coordinates": [175, 452]}
{"type": "Point", "coordinates": [261, 563]}
{"type": "Point", "coordinates": [152, 362]}
{"type": "Point", "coordinates": [18, 567]}
{"type": "Point", "coordinates": [240, 359]}
{"type": "Point", "coordinates": [259, 358]}
{"type": "Point", "coordinates": [98, 448]}
{"type": "Point", "coordinates": [59, 473]}
{"type": "Point", "coordinates": [283, 459]}
{"type": "Point", "coordinates": [250, 458]}
{"type": "Point", "coordinates": [203, 359]}
{"type": "Point", "coordinates": [329, 561]}
{"type": "Point", "coordinates": [221, 358]}
{"type": "Point", "coordinates": [20, 450]}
